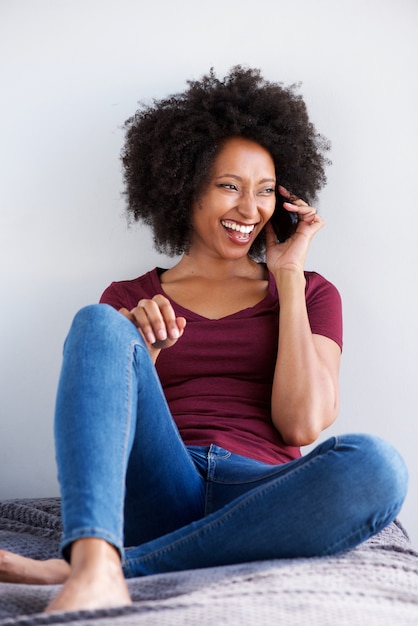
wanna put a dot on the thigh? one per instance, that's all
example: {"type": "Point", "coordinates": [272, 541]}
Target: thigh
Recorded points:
{"type": "Point", "coordinates": [330, 500]}
{"type": "Point", "coordinates": [164, 489]}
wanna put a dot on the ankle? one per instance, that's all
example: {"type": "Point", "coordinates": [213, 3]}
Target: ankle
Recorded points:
{"type": "Point", "coordinates": [94, 552]}
{"type": "Point", "coordinates": [96, 579]}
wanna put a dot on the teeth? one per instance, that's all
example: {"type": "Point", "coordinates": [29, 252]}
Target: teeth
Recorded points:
{"type": "Point", "coordinates": [245, 230]}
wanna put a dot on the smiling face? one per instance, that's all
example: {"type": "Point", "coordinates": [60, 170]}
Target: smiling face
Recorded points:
{"type": "Point", "coordinates": [237, 202]}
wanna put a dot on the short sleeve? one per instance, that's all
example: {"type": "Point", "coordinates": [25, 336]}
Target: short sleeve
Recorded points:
{"type": "Point", "coordinates": [127, 293]}
{"type": "Point", "coordinates": [115, 296]}
{"type": "Point", "coordinates": [324, 307]}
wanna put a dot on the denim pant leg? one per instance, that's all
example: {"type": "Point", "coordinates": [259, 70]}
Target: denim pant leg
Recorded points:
{"type": "Point", "coordinates": [344, 491]}
{"type": "Point", "coordinates": [114, 433]}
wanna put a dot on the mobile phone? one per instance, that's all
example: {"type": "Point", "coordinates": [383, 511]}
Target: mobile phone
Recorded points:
{"type": "Point", "coordinates": [284, 222]}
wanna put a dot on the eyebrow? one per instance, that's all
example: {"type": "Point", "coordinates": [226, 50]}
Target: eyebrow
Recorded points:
{"type": "Point", "coordinates": [263, 180]}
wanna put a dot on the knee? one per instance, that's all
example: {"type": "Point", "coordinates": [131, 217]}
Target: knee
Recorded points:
{"type": "Point", "coordinates": [103, 324]}
{"type": "Point", "coordinates": [95, 314]}
{"type": "Point", "coordinates": [380, 470]}
{"type": "Point", "coordinates": [391, 470]}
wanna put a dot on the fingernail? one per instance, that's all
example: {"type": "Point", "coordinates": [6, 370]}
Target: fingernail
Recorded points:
{"type": "Point", "coordinates": [175, 333]}
{"type": "Point", "coordinates": [161, 334]}
{"type": "Point", "coordinates": [150, 338]}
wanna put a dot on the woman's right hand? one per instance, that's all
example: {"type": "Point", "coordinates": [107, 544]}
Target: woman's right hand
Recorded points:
{"type": "Point", "coordinates": [157, 322]}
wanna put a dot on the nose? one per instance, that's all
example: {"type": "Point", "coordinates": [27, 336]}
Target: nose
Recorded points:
{"type": "Point", "coordinates": [248, 206]}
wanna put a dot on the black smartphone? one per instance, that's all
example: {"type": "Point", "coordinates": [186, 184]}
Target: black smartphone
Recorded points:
{"type": "Point", "coordinates": [284, 222]}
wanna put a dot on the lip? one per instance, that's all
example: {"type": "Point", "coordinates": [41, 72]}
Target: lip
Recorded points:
{"type": "Point", "coordinates": [235, 235]}
{"type": "Point", "coordinates": [238, 226]}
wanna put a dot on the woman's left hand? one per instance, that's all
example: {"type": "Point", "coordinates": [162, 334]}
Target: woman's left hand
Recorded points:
{"type": "Point", "coordinates": [291, 254]}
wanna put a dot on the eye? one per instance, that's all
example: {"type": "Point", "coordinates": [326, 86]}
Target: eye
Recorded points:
{"type": "Point", "coordinates": [267, 191]}
{"type": "Point", "coordinates": [228, 186]}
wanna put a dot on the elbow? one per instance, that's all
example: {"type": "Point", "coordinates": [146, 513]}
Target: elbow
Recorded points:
{"type": "Point", "coordinates": [299, 437]}
{"type": "Point", "coordinates": [304, 430]}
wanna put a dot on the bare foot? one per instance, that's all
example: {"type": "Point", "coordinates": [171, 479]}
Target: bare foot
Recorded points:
{"type": "Point", "coordinates": [20, 569]}
{"type": "Point", "coordinates": [96, 580]}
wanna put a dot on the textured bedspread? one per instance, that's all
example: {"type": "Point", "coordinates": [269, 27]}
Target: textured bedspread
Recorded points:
{"type": "Point", "coordinates": [376, 584]}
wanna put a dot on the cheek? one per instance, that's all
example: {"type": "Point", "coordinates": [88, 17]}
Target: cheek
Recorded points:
{"type": "Point", "coordinates": [269, 206]}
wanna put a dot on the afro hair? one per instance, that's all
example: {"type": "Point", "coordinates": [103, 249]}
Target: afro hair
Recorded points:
{"type": "Point", "coordinates": [171, 144]}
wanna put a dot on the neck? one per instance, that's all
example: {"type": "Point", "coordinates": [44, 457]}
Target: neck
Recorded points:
{"type": "Point", "coordinates": [192, 264]}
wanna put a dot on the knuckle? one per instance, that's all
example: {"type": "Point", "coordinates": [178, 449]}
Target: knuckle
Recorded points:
{"type": "Point", "coordinates": [163, 303]}
{"type": "Point", "coordinates": [160, 299]}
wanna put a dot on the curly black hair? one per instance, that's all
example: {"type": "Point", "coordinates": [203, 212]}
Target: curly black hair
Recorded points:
{"type": "Point", "coordinates": [171, 144]}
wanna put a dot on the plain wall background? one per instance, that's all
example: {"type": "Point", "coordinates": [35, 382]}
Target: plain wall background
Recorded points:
{"type": "Point", "coordinates": [73, 70]}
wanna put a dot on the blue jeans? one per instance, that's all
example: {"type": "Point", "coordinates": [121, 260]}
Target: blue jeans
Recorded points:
{"type": "Point", "coordinates": [127, 477]}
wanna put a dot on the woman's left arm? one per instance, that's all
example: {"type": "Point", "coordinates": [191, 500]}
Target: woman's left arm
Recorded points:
{"type": "Point", "coordinates": [305, 396]}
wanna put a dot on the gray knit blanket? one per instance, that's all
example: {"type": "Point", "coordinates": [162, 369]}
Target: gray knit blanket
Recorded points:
{"type": "Point", "coordinates": [374, 585]}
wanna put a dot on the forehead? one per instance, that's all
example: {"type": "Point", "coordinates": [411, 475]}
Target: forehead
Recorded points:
{"type": "Point", "coordinates": [242, 153]}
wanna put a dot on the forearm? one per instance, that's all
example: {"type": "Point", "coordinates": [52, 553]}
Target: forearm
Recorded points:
{"type": "Point", "coordinates": [305, 386]}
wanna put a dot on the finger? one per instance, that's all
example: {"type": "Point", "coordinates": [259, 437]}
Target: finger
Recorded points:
{"type": "Point", "coordinates": [284, 192]}
{"type": "Point", "coordinates": [271, 237]}
{"type": "Point", "coordinates": [157, 319]}
{"type": "Point", "coordinates": [130, 316]}
{"type": "Point", "coordinates": [304, 211]}
{"type": "Point", "coordinates": [311, 224]}
{"type": "Point", "coordinates": [126, 313]}
{"type": "Point", "coordinates": [291, 197]}
{"type": "Point", "coordinates": [169, 317]}
{"type": "Point", "coordinates": [141, 319]}
{"type": "Point", "coordinates": [317, 221]}
{"type": "Point", "coordinates": [181, 324]}
{"type": "Point", "coordinates": [307, 215]}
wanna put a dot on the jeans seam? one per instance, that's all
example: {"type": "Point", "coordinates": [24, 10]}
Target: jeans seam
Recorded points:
{"type": "Point", "coordinates": [128, 426]}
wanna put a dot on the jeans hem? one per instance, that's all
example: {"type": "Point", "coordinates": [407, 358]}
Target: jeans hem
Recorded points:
{"type": "Point", "coordinates": [89, 533]}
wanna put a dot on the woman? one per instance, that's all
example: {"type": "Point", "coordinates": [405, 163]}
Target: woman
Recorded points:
{"type": "Point", "coordinates": [182, 406]}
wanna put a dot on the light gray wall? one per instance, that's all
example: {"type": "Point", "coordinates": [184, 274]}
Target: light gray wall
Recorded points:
{"type": "Point", "coordinates": [73, 70]}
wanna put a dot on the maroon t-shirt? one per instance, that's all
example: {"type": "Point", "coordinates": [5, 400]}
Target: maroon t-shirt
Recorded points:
{"type": "Point", "coordinates": [218, 377]}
